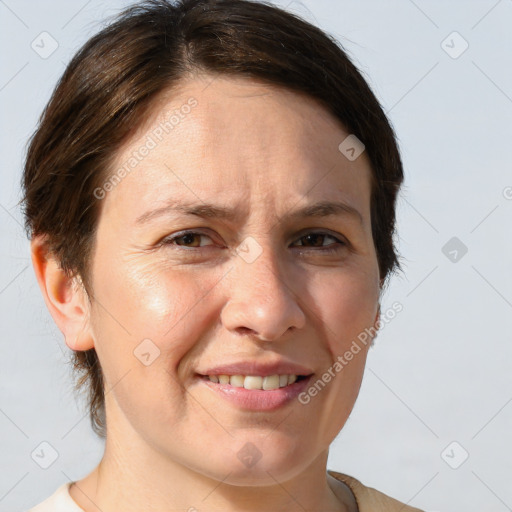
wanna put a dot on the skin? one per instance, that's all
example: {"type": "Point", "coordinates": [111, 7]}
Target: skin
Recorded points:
{"type": "Point", "coordinates": [171, 442]}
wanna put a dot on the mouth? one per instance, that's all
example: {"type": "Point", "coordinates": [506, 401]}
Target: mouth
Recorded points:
{"type": "Point", "coordinates": [256, 392]}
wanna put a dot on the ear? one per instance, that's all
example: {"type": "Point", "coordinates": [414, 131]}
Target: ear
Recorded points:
{"type": "Point", "coordinates": [65, 297]}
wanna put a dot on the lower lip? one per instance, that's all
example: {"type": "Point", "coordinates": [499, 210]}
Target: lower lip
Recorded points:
{"type": "Point", "coordinates": [258, 399]}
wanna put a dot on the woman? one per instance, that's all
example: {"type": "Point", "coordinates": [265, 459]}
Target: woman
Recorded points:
{"type": "Point", "coordinates": [210, 197]}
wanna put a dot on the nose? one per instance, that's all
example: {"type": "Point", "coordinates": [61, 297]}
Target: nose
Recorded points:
{"type": "Point", "coordinates": [263, 298]}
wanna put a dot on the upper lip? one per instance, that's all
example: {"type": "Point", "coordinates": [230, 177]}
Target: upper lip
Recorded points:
{"type": "Point", "coordinates": [258, 368]}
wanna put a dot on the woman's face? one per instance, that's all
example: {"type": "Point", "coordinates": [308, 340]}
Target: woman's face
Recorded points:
{"type": "Point", "coordinates": [248, 287]}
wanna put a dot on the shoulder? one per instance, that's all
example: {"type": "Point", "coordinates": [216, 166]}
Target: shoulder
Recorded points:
{"type": "Point", "coordinates": [59, 501]}
{"type": "Point", "coordinates": [369, 499]}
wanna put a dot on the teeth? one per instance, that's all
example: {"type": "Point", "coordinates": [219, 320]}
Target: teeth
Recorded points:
{"type": "Point", "coordinates": [223, 379]}
{"type": "Point", "coordinates": [291, 379]}
{"type": "Point", "coordinates": [255, 381]}
{"type": "Point", "coordinates": [270, 382]}
{"type": "Point", "coordinates": [237, 381]}
{"type": "Point", "coordinates": [251, 382]}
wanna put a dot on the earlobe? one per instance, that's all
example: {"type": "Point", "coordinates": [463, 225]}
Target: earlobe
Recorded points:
{"type": "Point", "coordinates": [65, 298]}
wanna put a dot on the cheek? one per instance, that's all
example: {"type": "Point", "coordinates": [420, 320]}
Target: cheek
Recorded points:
{"type": "Point", "coordinates": [146, 325]}
{"type": "Point", "coordinates": [171, 308]}
{"type": "Point", "coordinates": [347, 303]}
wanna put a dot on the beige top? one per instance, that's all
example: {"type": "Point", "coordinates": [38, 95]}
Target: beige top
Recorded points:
{"type": "Point", "coordinates": [368, 499]}
{"type": "Point", "coordinates": [371, 500]}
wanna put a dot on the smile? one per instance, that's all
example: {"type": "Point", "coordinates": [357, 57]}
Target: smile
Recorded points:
{"type": "Point", "coordinates": [254, 392]}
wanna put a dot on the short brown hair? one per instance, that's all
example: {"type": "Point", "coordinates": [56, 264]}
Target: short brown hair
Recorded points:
{"type": "Point", "coordinates": [107, 90]}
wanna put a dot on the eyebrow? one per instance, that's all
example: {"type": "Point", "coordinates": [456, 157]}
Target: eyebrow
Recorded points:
{"type": "Point", "coordinates": [209, 210]}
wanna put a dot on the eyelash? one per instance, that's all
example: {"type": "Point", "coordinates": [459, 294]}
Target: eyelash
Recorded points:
{"type": "Point", "coordinates": [326, 250]}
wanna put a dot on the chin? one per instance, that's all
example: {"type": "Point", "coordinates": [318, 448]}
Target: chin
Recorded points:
{"type": "Point", "coordinates": [252, 463]}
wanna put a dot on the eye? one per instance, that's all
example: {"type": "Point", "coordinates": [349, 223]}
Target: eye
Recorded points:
{"type": "Point", "coordinates": [312, 240]}
{"type": "Point", "coordinates": [315, 238]}
{"type": "Point", "coordinates": [189, 237]}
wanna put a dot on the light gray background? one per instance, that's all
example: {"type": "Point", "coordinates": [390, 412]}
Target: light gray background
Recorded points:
{"type": "Point", "coordinates": [440, 371]}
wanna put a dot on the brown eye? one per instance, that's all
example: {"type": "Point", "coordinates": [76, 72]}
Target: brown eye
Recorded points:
{"type": "Point", "coordinates": [314, 240]}
{"type": "Point", "coordinates": [190, 238]}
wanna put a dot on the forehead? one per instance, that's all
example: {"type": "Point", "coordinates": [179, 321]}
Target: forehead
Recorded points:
{"type": "Point", "coordinates": [215, 137]}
